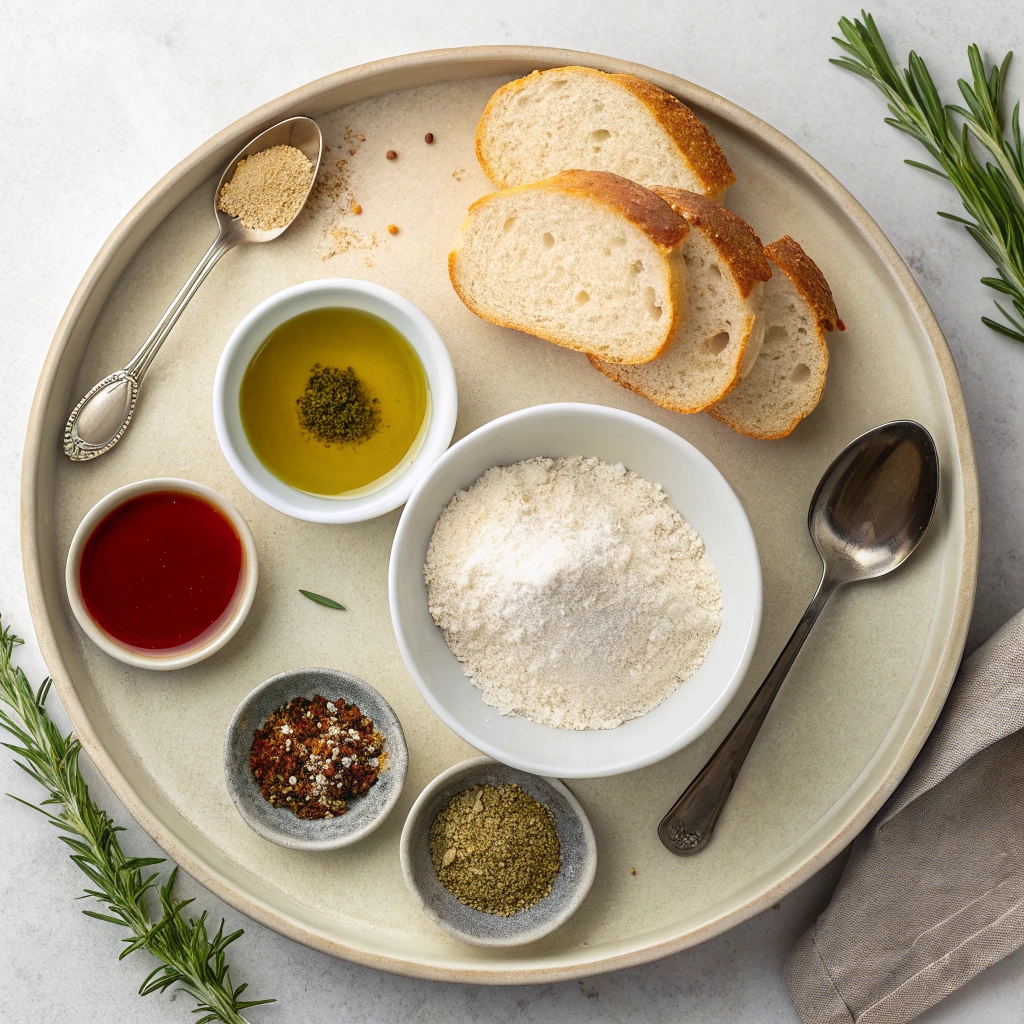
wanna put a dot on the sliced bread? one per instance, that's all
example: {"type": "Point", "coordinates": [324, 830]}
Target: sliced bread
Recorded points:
{"type": "Point", "coordinates": [585, 259]}
{"type": "Point", "coordinates": [576, 117]}
{"type": "Point", "coordinates": [721, 333]}
{"type": "Point", "coordinates": [786, 382]}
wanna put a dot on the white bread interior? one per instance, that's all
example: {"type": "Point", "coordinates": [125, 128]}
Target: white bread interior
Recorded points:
{"type": "Point", "coordinates": [577, 117]}
{"type": "Point", "coordinates": [586, 261]}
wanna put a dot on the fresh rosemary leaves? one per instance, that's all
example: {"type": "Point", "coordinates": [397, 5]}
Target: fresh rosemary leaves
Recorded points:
{"type": "Point", "coordinates": [189, 957]}
{"type": "Point", "coordinates": [992, 192]}
{"type": "Point", "coordinates": [327, 602]}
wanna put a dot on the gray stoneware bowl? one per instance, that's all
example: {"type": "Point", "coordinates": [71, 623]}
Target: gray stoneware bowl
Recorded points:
{"type": "Point", "coordinates": [579, 857]}
{"type": "Point", "coordinates": [278, 824]}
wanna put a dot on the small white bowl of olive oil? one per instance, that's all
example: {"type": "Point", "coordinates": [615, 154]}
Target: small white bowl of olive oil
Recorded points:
{"type": "Point", "coordinates": [332, 399]}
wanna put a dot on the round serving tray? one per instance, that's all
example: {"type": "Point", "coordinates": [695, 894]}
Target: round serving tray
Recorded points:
{"type": "Point", "coordinates": [854, 712]}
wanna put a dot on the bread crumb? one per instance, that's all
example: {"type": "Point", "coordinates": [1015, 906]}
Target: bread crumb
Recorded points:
{"type": "Point", "coordinates": [267, 189]}
{"type": "Point", "coordinates": [352, 152]}
{"type": "Point", "coordinates": [391, 154]}
{"type": "Point", "coordinates": [331, 187]}
{"type": "Point", "coordinates": [458, 173]}
{"type": "Point", "coordinates": [357, 209]}
{"type": "Point", "coordinates": [632, 871]}
{"type": "Point", "coordinates": [361, 138]}
{"type": "Point", "coordinates": [338, 239]}
{"type": "Point", "coordinates": [392, 229]}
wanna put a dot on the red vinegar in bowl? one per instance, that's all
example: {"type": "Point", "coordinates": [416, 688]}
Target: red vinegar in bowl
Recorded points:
{"type": "Point", "coordinates": [162, 571]}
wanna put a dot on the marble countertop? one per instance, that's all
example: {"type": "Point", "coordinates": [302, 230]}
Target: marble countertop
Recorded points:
{"type": "Point", "coordinates": [101, 98]}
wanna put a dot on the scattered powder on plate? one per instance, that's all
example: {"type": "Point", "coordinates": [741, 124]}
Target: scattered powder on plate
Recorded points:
{"type": "Point", "coordinates": [571, 591]}
{"type": "Point", "coordinates": [333, 188]}
{"type": "Point", "coordinates": [268, 188]}
{"type": "Point", "coordinates": [338, 239]}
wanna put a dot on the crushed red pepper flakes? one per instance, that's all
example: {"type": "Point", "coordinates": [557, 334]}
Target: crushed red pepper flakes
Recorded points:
{"type": "Point", "coordinates": [312, 756]}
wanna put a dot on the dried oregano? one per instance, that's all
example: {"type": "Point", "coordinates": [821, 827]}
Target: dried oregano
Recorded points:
{"type": "Point", "coordinates": [496, 849]}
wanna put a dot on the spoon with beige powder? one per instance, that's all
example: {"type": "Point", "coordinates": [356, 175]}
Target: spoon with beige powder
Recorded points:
{"type": "Point", "coordinates": [261, 192]}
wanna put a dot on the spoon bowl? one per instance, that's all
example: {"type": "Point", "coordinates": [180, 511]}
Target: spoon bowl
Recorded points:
{"type": "Point", "coordinates": [300, 132]}
{"type": "Point", "coordinates": [875, 501]}
{"type": "Point", "coordinates": [101, 418]}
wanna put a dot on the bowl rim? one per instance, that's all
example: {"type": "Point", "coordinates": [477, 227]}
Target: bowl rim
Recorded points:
{"type": "Point", "coordinates": [413, 818]}
{"type": "Point", "coordinates": [396, 739]}
{"type": "Point", "coordinates": [436, 433]}
{"type": "Point", "coordinates": [625, 763]}
{"type": "Point", "coordinates": [111, 645]}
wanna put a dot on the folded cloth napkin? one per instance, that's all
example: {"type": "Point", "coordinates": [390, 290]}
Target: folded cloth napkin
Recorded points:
{"type": "Point", "coordinates": [934, 889]}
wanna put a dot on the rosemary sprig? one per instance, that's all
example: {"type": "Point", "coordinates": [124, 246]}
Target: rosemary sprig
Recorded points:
{"type": "Point", "coordinates": [188, 956]}
{"type": "Point", "coordinates": [993, 192]}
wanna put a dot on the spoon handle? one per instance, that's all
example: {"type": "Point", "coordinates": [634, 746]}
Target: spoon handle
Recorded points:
{"type": "Point", "coordinates": [143, 359]}
{"type": "Point", "coordinates": [688, 826]}
{"type": "Point", "coordinates": [101, 418]}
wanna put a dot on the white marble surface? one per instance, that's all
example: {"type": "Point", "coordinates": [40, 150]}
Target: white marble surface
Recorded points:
{"type": "Point", "coordinates": [101, 98]}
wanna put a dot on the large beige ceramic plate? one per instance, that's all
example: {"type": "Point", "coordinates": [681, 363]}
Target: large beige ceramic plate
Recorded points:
{"type": "Point", "coordinates": [854, 712]}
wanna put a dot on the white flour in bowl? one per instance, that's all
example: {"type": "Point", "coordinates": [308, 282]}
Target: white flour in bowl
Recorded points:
{"type": "Point", "coordinates": [571, 591]}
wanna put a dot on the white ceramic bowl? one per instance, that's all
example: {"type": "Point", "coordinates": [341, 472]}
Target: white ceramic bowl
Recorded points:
{"type": "Point", "coordinates": [202, 647]}
{"type": "Point", "coordinates": [246, 340]}
{"type": "Point", "coordinates": [694, 487]}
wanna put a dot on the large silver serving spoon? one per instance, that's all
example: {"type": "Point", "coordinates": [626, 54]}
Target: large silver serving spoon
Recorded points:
{"type": "Point", "coordinates": [101, 418]}
{"type": "Point", "coordinates": [869, 512]}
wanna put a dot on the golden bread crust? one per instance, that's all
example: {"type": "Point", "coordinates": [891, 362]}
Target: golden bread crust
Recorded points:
{"type": "Point", "coordinates": [641, 207]}
{"type": "Point", "coordinates": [734, 239]}
{"type": "Point", "coordinates": [788, 255]}
{"type": "Point", "coordinates": [688, 133]}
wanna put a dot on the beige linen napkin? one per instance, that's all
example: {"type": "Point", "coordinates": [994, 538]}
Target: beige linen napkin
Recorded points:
{"type": "Point", "coordinates": [934, 889]}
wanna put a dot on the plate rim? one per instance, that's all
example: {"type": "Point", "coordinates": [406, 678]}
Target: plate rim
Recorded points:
{"type": "Point", "coordinates": [376, 78]}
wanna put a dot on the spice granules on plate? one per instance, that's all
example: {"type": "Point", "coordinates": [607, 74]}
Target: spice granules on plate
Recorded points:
{"type": "Point", "coordinates": [268, 188]}
{"type": "Point", "coordinates": [496, 849]}
{"type": "Point", "coordinates": [312, 756]}
{"type": "Point", "coordinates": [335, 408]}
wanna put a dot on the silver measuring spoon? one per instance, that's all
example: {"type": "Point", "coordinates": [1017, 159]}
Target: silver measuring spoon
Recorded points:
{"type": "Point", "coordinates": [101, 418]}
{"type": "Point", "coordinates": [869, 512]}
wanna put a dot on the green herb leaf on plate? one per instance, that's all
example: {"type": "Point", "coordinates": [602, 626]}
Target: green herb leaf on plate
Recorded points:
{"type": "Point", "coordinates": [320, 599]}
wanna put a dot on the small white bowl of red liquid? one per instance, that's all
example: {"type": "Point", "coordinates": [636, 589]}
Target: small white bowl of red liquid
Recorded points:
{"type": "Point", "coordinates": [161, 573]}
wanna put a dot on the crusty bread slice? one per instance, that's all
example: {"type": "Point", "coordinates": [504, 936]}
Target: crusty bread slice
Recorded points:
{"type": "Point", "coordinates": [585, 259]}
{"type": "Point", "coordinates": [786, 382]}
{"type": "Point", "coordinates": [576, 117]}
{"type": "Point", "coordinates": [721, 333]}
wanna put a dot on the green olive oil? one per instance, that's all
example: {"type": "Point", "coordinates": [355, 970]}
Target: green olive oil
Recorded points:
{"type": "Point", "coordinates": [339, 340]}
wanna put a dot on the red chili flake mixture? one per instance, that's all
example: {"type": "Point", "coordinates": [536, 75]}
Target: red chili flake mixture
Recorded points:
{"type": "Point", "coordinates": [312, 755]}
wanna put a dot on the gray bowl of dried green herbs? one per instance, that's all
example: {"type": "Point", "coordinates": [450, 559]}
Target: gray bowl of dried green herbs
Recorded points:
{"type": "Point", "coordinates": [314, 759]}
{"type": "Point", "coordinates": [496, 856]}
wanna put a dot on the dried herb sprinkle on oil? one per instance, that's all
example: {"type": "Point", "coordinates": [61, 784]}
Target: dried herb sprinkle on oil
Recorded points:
{"type": "Point", "coordinates": [335, 407]}
{"type": "Point", "coordinates": [496, 849]}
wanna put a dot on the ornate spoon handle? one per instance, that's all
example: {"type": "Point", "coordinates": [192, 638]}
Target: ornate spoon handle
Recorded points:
{"type": "Point", "coordinates": [688, 826]}
{"type": "Point", "coordinates": [100, 419]}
